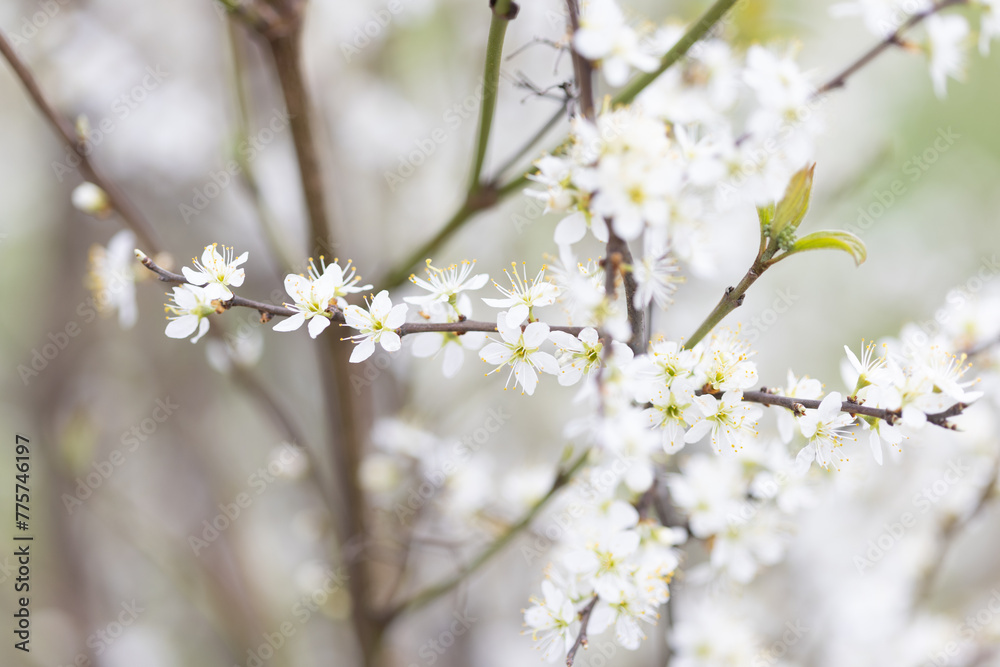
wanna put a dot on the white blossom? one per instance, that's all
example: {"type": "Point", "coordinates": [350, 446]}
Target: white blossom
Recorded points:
{"type": "Point", "coordinates": [377, 324]}
{"type": "Point", "coordinates": [217, 271]}
{"type": "Point", "coordinates": [520, 350]}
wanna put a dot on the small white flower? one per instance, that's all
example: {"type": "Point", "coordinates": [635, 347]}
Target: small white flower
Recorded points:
{"type": "Point", "coordinates": [868, 370]}
{"type": "Point", "coordinates": [312, 298]}
{"type": "Point", "coordinates": [673, 412]}
{"type": "Point", "coordinates": [604, 37]}
{"type": "Point", "coordinates": [340, 281]}
{"type": "Point", "coordinates": [519, 350]}
{"type": "Point", "coordinates": [112, 278]}
{"type": "Point", "coordinates": [780, 85]}
{"type": "Point", "coordinates": [946, 47]}
{"type": "Point", "coordinates": [450, 345]}
{"type": "Point", "coordinates": [579, 355]}
{"type": "Point", "coordinates": [825, 429]}
{"type": "Point", "coordinates": [217, 271]}
{"type": "Point", "coordinates": [655, 280]}
{"type": "Point", "coordinates": [553, 621]}
{"type": "Point", "coordinates": [804, 387]}
{"type": "Point", "coordinates": [881, 17]}
{"type": "Point", "coordinates": [624, 607]}
{"type": "Point", "coordinates": [378, 324]}
{"type": "Point", "coordinates": [730, 420]}
{"type": "Point", "coordinates": [191, 308]}
{"type": "Point", "coordinates": [726, 363]}
{"type": "Point", "coordinates": [444, 285]}
{"type": "Point", "coordinates": [524, 295]}
{"type": "Point", "coordinates": [243, 351]}
{"type": "Point", "coordinates": [989, 24]}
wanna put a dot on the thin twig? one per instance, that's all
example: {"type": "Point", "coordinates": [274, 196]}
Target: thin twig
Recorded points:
{"type": "Point", "coordinates": [132, 217]}
{"type": "Point", "coordinates": [581, 639]}
{"type": "Point", "coordinates": [894, 39]}
{"type": "Point", "coordinates": [889, 416]}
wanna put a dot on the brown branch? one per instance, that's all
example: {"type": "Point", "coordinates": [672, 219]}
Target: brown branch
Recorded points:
{"type": "Point", "coordinates": [583, 70]}
{"type": "Point", "coordinates": [132, 217]}
{"type": "Point", "coordinates": [895, 39]}
{"type": "Point", "coordinates": [764, 397]}
{"type": "Point", "coordinates": [259, 16]}
{"type": "Point", "coordinates": [581, 639]}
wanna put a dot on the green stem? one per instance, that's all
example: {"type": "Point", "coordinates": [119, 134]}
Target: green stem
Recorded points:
{"type": "Point", "coordinates": [503, 12]}
{"type": "Point", "coordinates": [694, 33]}
{"type": "Point", "coordinates": [730, 301]}
{"type": "Point", "coordinates": [476, 202]}
{"type": "Point", "coordinates": [432, 593]}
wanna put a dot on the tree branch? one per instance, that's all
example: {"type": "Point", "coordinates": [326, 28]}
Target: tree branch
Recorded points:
{"type": "Point", "coordinates": [730, 301]}
{"type": "Point", "coordinates": [765, 397]}
{"type": "Point", "coordinates": [132, 217]}
{"type": "Point", "coordinates": [949, 529]}
{"type": "Point", "coordinates": [581, 639]}
{"type": "Point", "coordinates": [428, 595]}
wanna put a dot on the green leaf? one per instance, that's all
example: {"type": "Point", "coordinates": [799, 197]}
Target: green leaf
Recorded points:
{"type": "Point", "coordinates": [837, 240]}
{"type": "Point", "coordinates": [793, 206]}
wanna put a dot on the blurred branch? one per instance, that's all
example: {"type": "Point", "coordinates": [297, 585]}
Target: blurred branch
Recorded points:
{"type": "Point", "coordinates": [894, 39]}
{"type": "Point", "coordinates": [344, 410]}
{"type": "Point", "coordinates": [259, 16]}
{"type": "Point", "coordinates": [247, 175]}
{"type": "Point", "coordinates": [581, 639]}
{"type": "Point", "coordinates": [259, 391]}
{"type": "Point", "coordinates": [949, 529]}
{"type": "Point", "coordinates": [428, 595]}
{"type": "Point", "coordinates": [129, 213]}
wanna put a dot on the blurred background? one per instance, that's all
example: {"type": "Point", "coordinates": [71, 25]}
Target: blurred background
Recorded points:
{"type": "Point", "coordinates": [139, 440]}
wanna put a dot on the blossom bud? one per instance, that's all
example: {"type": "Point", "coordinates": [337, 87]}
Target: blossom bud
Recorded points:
{"type": "Point", "coordinates": [91, 199]}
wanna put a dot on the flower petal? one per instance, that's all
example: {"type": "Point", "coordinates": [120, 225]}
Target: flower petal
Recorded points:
{"type": "Point", "coordinates": [316, 325]}
{"type": "Point", "coordinates": [292, 323]}
{"type": "Point", "coordinates": [182, 327]}
{"type": "Point", "coordinates": [363, 350]}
